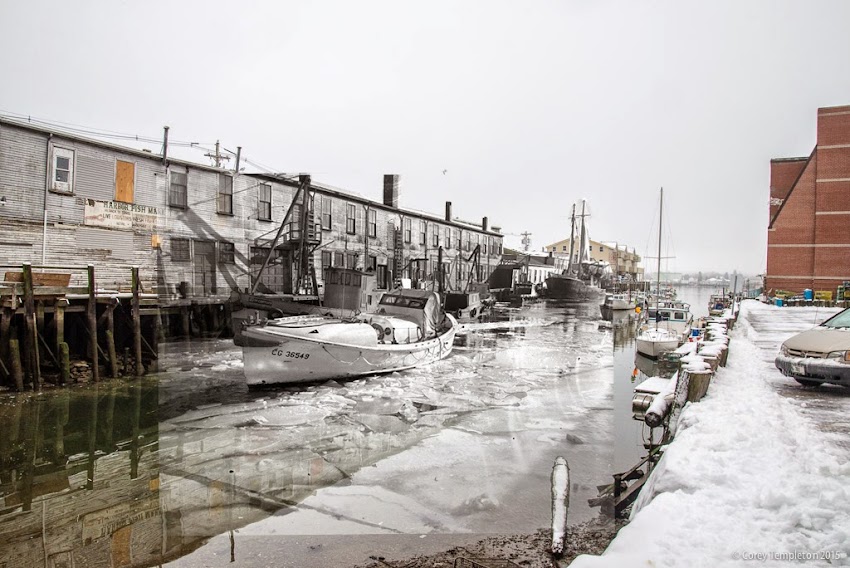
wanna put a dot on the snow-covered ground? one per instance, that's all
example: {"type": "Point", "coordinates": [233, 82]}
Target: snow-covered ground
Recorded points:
{"type": "Point", "coordinates": [759, 471]}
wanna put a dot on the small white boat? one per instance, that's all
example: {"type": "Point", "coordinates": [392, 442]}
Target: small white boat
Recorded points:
{"type": "Point", "coordinates": [619, 302]}
{"type": "Point", "coordinates": [407, 329]}
{"type": "Point", "coordinates": [654, 341]}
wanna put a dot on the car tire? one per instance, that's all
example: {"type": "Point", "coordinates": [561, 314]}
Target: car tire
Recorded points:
{"type": "Point", "coordinates": [808, 382]}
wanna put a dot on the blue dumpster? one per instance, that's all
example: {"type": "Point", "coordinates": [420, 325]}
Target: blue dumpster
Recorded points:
{"type": "Point", "coordinates": [808, 294]}
{"type": "Point", "coordinates": [779, 302]}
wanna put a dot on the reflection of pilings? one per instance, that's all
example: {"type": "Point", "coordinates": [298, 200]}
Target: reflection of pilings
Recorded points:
{"type": "Point", "coordinates": [31, 430]}
{"type": "Point", "coordinates": [134, 443]}
{"type": "Point", "coordinates": [92, 438]}
{"type": "Point", "coordinates": [61, 411]}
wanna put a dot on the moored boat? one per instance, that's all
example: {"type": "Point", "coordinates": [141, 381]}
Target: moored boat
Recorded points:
{"type": "Point", "coordinates": [407, 329]}
{"type": "Point", "coordinates": [619, 302]}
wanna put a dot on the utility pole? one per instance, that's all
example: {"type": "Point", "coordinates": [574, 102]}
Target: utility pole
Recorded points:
{"type": "Point", "coordinates": [217, 157]}
{"type": "Point", "coordinates": [526, 241]}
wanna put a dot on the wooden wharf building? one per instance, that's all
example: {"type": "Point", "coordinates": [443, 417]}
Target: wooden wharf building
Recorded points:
{"type": "Point", "coordinates": [87, 215]}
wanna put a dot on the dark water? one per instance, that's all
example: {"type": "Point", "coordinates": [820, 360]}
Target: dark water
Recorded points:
{"type": "Point", "coordinates": [147, 472]}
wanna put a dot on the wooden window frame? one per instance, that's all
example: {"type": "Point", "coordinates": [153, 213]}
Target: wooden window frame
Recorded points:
{"type": "Point", "coordinates": [372, 223]}
{"type": "Point", "coordinates": [327, 213]}
{"type": "Point", "coordinates": [224, 195]}
{"type": "Point", "coordinates": [177, 254]}
{"type": "Point", "coordinates": [264, 207]}
{"type": "Point", "coordinates": [226, 256]}
{"type": "Point", "coordinates": [423, 232]}
{"type": "Point", "coordinates": [57, 186]}
{"type": "Point", "coordinates": [408, 230]}
{"type": "Point", "coordinates": [350, 219]}
{"type": "Point", "coordinates": [172, 202]}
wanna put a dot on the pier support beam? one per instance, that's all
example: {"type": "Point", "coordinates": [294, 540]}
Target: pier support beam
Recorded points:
{"type": "Point", "coordinates": [92, 321]}
{"type": "Point", "coordinates": [137, 323]}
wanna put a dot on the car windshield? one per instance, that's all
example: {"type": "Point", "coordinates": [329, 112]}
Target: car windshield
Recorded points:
{"type": "Point", "coordinates": [841, 319]}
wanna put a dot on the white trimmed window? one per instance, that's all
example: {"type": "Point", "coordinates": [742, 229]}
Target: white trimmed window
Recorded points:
{"type": "Point", "coordinates": [264, 209]}
{"type": "Point", "coordinates": [63, 170]}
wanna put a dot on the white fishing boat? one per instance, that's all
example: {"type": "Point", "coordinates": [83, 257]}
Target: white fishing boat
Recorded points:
{"type": "Point", "coordinates": [619, 302]}
{"type": "Point", "coordinates": [407, 329]}
{"type": "Point", "coordinates": [667, 325]}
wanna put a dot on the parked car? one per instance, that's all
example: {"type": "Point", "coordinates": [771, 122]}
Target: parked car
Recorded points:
{"type": "Point", "coordinates": [820, 355]}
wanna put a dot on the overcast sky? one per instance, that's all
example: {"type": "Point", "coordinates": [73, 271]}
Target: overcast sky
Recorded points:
{"type": "Point", "coordinates": [528, 106]}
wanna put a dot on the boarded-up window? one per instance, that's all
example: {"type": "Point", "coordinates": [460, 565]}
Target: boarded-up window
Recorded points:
{"type": "Point", "coordinates": [264, 211]}
{"type": "Point", "coordinates": [63, 170]}
{"type": "Point", "coordinates": [125, 177]}
{"type": "Point", "coordinates": [180, 250]}
{"type": "Point", "coordinates": [225, 194]}
{"type": "Point", "coordinates": [177, 190]}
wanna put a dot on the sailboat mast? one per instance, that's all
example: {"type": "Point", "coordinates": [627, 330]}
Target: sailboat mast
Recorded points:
{"type": "Point", "coordinates": [658, 277]}
{"type": "Point", "coordinates": [572, 239]}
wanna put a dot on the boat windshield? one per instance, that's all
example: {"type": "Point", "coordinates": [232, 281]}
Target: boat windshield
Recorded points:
{"type": "Point", "coordinates": [839, 320]}
{"type": "Point", "coordinates": [404, 302]}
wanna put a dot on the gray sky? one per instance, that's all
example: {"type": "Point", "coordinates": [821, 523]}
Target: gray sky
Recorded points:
{"type": "Point", "coordinates": [529, 106]}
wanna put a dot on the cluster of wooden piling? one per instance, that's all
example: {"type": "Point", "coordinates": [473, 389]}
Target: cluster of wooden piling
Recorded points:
{"type": "Point", "coordinates": [34, 337]}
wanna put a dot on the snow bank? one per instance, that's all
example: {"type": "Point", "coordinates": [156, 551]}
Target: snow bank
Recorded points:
{"type": "Point", "coordinates": [748, 478]}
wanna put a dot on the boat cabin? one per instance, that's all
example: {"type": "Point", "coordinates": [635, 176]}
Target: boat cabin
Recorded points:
{"type": "Point", "coordinates": [351, 289]}
{"type": "Point", "coordinates": [671, 314]}
{"type": "Point", "coordinates": [421, 307]}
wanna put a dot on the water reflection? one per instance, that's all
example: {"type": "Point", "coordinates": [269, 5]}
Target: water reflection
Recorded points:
{"type": "Point", "coordinates": [144, 472]}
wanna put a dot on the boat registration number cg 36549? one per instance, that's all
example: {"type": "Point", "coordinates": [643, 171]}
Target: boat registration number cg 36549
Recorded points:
{"type": "Point", "coordinates": [277, 352]}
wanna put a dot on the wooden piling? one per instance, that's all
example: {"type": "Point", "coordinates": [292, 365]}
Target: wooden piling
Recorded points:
{"type": "Point", "coordinates": [113, 358]}
{"type": "Point", "coordinates": [5, 333]}
{"type": "Point", "coordinates": [137, 322]}
{"type": "Point", "coordinates": [92, 317]}
{"type": "Point", "coordinates": [30, 344]}
{"type": "Point", "coordinates": [185, 326]}
{"type": "Point", "coordinates": [698, 384]}
{"type": "Point", "coordinates": [17, 369]}
{"type": "Point", "coordinates": [59, 321]}
{"type": "Point", "coordinates": [64, 363]}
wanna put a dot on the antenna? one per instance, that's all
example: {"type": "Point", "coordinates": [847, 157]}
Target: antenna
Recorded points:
{"type": "Point", "coordinates": [526, 241]}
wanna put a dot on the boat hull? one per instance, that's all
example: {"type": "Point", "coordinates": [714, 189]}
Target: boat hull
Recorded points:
{"type": "Point", "coordinates": [565, 288]}
{"type": "Point", "coordinates": [654, 348]}
{"type": "Point", "coordinates": [281, 359]}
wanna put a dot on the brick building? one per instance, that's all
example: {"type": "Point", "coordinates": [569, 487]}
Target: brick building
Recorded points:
{"type": "Point", "coordinates": [808, 237]}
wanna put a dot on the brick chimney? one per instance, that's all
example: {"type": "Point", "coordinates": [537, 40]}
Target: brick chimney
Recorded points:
{"type": "Point", "coordinates": [448, 210]}
{"type": "Point", "coordinates": [391, 190]}
{"type": "Point", "coordinates": [484, 223]}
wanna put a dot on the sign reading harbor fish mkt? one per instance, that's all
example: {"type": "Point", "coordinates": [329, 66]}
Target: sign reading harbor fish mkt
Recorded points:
{"type": "Point", "coordinates": [117, 215]}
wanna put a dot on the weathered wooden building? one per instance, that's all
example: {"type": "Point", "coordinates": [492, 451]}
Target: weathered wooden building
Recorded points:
{"type": "Point", "coordinates": [197, 230]}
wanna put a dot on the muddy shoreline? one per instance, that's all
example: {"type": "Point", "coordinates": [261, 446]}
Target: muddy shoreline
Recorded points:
{"type": "Point", "coordinates": [526, 550]}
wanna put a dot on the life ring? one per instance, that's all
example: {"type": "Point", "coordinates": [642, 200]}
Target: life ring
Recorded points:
{"type": "Point", "coordinates": [379, 330]}
{"type": "Point", "coordinates": [274, 314]}
{"type": "Point", "coordinates": [459, 314]}
{"type": "Point", "coordinates": [473, 312]}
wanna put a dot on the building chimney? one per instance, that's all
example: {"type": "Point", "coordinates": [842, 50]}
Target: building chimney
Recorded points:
{"type": "Point", "coordinates": [448, 211]}
{"type": "Point", "coordinates": [484, 223]}
{"type": "Point", "coordinates": [391, 190]}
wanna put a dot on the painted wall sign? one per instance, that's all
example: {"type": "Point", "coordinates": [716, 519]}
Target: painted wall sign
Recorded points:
{"type": "Point", "coordinates": [117, 215]}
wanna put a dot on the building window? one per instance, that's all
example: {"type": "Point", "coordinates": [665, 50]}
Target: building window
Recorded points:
{"type": "Point", "coordinates": [180, 250]}
{"type": "Point", "coordinates": [326, 258]}
{"type": "Point", "coordinates": [226, 253]}
{"type": "Point", "coordinates": [372, 262]}
{"type": "Point", "coordinates": [339, 259]}
{"type": "Point", "coordinates": [447, 238]}
{"type": "Point", "coordinates": [63, 170]}
{"type": "Point", "coordinates": [455, 239]}
{"type": "Point", "coordinates": [563, 248]}
{"type": "Point", "coordinates": [435, 235]}
{"type": "Point", "coordinates": [125, 181]}
{"type": "Point", "coordinates": [468, 242]}
{"type": "Point", "coordinates": [350, 260]}
{"type": "Point", "coordinates": [178, 189]}
{"type": "Point", "coordinates": [326, 213]}
{"type": "Point", "coordinates": [423, 237]}
{"type": "Point", "coordinates": [350, 218]}
{"type": "Point", "coordinates": [264, 211]}
{"type": "Point", "coordinates": [373, 223]}
{"type": "Point", "coordinates": [601, 249]}
{"type": "Point", "coordinates": [484, 245]}
{"type": "Point", "coordinates": [407, 229]}
{"type": "Point", "coordinates": [225, 195]}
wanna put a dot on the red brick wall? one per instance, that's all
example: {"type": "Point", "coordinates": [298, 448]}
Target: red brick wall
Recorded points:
{"type": "Point", "coordinates": [833, 126]}
{"type": "Point", "coordinates": [815, 215]}
{"type": "Point", "coordinates": [783, 172]}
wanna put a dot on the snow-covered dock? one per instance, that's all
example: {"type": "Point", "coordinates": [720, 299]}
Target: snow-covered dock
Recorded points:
{"type": "Point", "coordinates": [752, 474]}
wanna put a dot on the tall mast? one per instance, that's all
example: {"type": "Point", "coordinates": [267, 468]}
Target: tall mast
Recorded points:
{"type": "Point", "coordinates": [658, 277]}
{"type": "Point", "coordinates": [583, 243]}
{"type": "Point", "coordinates": [572, 239]}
